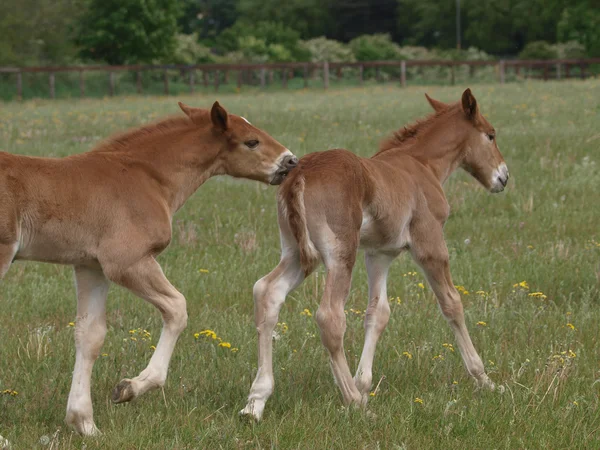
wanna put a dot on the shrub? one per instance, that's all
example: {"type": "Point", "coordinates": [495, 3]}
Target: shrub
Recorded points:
{"type": "Point", "coordinates": [570, 50]}
{"type": "Point", "coordinates": [538, 50]}
{"type": "Point", "coordinates": [189, 51]}
{"type": "Point", "coordinates": [375, 47]}
{"type": "Point", "coordinates": [322, 49]}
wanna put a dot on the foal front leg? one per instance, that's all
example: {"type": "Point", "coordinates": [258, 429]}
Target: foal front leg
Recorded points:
{"type": "Point", "coordinates": [269, 295]}
{"type": "Point", "coordinates": [146, 279]}
{"type": "Point", "coordinates": [376, 318]}
{"type": "Point", "coordinates": [90, 330]}
{"type": "Point", "coordinates": [430, 252]}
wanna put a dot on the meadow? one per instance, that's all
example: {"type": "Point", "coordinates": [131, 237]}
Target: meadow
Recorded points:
{"type": "Point", "coordinates": [527, 262]}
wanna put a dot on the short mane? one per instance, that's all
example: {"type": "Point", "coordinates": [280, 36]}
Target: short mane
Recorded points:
{"type": "Point", "coordinates": [409, 133]}
{"type": "Point", "coordinates": [123, 140]}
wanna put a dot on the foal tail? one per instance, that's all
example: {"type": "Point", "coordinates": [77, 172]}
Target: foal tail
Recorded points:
{"type": "Point", "coordinates": [292, 201]}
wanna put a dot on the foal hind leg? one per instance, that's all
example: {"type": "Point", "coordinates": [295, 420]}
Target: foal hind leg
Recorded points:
{"type": "Point", "coordinates": [332, 320]}
{"type": "Point", "coordinates": [146, 279]}
{"type": "Point", "coordinates": [430, 252]}
{"type": "Point", "coordinates": [376, 318]}
{"type": "Point", "coordinates": [7, 253]}
{"type": "Point", "coordinates": [90, 330]}
{"type": "Point", "coordinates": [269, 295]}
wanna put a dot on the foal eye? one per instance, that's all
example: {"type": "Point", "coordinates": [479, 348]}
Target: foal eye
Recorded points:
{"type": "Point", "coordinates": [251, 144]}
{"type": "Point", "coordinates": [490, 137]}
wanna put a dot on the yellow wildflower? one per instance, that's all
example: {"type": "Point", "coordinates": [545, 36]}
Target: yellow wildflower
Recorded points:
{"type": "Point", "coordinates": [203, 270]}
{"type": "Point", "coordinates": [455, 382]}
{"type": "Point", "coordinates": [104, 354]}
{"type": "Point", "coordinates": [196, 335]}
{"type": "Point", "coordinates": [71, 324]}
{"type": "Point", "coordinates": [523, 284]}
{"type": "Point", "coordinates": [306, 312]}
{"type": "Point", "coordinates": [421, 285]}
{"type": "Point", "coordinates": [225, 344]}
{"type": "Point", "coordinates": [482, 323]}
{"type": "Point", "coordinates": [152, 347]}
{"type": "Point", "coordinates": [448, 346]}
{"type": "Point", "coordinates": [538, 295]}
{"type": "Point", "coordinates": [209, 334]}
{"type": "Point", "coordinates": [234, 349]}
{"type": "Point", "coordinates": [407, 354]}
{"type": "Point", "coordinates": [419, 400]}
{"type": "Point", "coordinates": [572, 354]}
{"type": "Point", "coordinates": [571, 326]}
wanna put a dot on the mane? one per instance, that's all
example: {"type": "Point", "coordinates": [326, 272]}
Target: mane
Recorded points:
{"type": "Point", "coordinates": [124, 140]}
{"type": "Point", "coordinates": [409, 133]}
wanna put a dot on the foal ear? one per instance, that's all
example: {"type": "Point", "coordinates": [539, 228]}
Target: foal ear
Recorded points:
{"type": "Point", "coordinates": [219, 117]}
{"type": "Point", "coordinates": [469, 104]}
{"type": "Point", "coordinates": [435, 104]}
{"type": "Point", "coordinates": [186, 109]}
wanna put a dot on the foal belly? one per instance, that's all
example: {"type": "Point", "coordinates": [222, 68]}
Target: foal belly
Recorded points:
{"type": "Point", "coordinates": [384, 234]}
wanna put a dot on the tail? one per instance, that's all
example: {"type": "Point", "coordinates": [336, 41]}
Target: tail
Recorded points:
{"type": "Point", "coordinates": [291, 203]}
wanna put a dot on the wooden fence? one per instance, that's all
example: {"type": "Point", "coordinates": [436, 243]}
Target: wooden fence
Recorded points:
{"type": "Point", "coordinates": [555, 68]}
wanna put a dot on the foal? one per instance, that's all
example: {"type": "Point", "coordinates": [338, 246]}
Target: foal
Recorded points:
{"type": "Point", "coordinates": [335, 201]}
{"type": "Point", "coordinates": [108, 213]}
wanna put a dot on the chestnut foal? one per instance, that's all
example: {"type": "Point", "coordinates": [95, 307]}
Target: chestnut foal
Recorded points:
{"type": "Point", "coordinates": [108, 213]}
{"type": "Point", "coordinates": [335, 202]}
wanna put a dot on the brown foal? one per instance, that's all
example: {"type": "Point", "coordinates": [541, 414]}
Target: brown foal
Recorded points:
{"type": "Point", "coordinates": [335, 202]}
{"type": "Point", "coordinates": [108, 213]}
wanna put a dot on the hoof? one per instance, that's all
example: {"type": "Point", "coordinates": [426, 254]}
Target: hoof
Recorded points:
{"type": "Point", "coordinates": [4, 444]}
{"type": "Point", "coordinates": [123, 392]}
{"type": "Point", "coordinates": [251, 413]}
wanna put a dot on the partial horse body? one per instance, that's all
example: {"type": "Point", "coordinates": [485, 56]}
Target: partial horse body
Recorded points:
{"type": "Point", "coordinates": [335, 202]}
{"type": "Point", "coordinates": [108, 213]}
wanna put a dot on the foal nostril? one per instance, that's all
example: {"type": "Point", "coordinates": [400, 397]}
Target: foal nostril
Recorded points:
{"type": "Point", "coordinates": [290, 162]}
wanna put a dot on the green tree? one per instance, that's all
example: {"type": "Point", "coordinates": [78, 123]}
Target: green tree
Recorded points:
{"type": "Point", "coordinates": [129, 31]}
{"type": "Point", "coordinates": [581, 22]}
{"type": "Point", "coordinates": [38, 32]}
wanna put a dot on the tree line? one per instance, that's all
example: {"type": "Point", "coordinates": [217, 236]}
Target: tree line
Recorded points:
{"type": "Point", "coordinates": [39, 32]}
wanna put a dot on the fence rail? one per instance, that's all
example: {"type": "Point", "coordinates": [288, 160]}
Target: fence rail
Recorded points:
{"type": "Point", "coordinates": [555, 68]}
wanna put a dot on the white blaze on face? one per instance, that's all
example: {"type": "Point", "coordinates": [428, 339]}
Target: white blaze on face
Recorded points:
{"type": "Point", "coordinates": [499, 178]}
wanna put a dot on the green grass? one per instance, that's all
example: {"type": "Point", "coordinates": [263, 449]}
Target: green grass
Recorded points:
{"type": "Point", "coordinates": [543, 230]}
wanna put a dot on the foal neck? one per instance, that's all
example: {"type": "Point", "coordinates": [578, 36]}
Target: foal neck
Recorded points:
{"type": "Point", "coordinates": [175, 152]}
{"type": "Point", "coordinates": [438, 142]}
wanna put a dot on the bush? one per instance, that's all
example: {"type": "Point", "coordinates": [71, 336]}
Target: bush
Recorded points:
{"type": "Point", "coordinates": [375, 47]}
{"type": "Point", "coordinates": [538, 50]}
{"type": "Point", "coordinates": [261, 42]}
{"type": "Point", "coordinates": [322, 49]}
{"type": "Point", "coordinates": [570, 50]}
{"type": "Point", "coordinates": [189, 51]}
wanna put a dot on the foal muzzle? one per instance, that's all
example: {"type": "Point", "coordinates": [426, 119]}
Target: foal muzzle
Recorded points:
{"type": "Point", "coordinates": [284, 167]}
{"type": "Point", "coordinates": [499, 178]}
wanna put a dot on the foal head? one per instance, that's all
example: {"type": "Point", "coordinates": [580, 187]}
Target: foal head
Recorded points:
{"type": "Point", "coordinates": [244, 150]}
{"type": "Point", "coordinates": [481, 156]}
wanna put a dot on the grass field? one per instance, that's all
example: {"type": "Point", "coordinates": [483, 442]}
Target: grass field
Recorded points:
{"type": "Point", "coordinates": [539, 338]}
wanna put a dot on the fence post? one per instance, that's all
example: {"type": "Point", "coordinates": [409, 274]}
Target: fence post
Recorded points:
{"type": "Point", "coordinates": [240, 79]}
{"type": "Point", "coordinates": [81, 84]}
{"type": "Point", "coordinates": [263, 77]}
{"type": "Point", "coordinates": [582, 67]}
{"type": "Point", "coordinates": [284, 77]}
{"type": "Point", "coordinates": [111, 83]}
{"type": "Point", "coordinates": [567, 68]}
{"type": "Point", "coordinates": [501, 67]}
{"type": "Point", "coordinates": [191, 81]}
{"type": "Point", "coordinates": [51, 82]}
{"type": "Point", "coordinates": [166, 81]}
{"type": "Point", "coordinates": [19, 86]}
{"type": "Point", "coordinates": [377, 74]}
{"type": "Point", "coordinates": [545, 72]}
{"type": "Point", "coordinates": [305, 75]}
{"type": "Point", "coordinates": [403, 73]}
{"type": "Point", "coordinates": [138, 81]}
{"type": "Point", "coordinates": [558, 69]}
{"type": "Point", "coordinates": [360, 75]}
{"type": "Point", "coordinates": [452, 74]}
{"type": "Point", "coordinates": [326, 75]}
{"type": "Point", "coordinates": [216, 74]}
